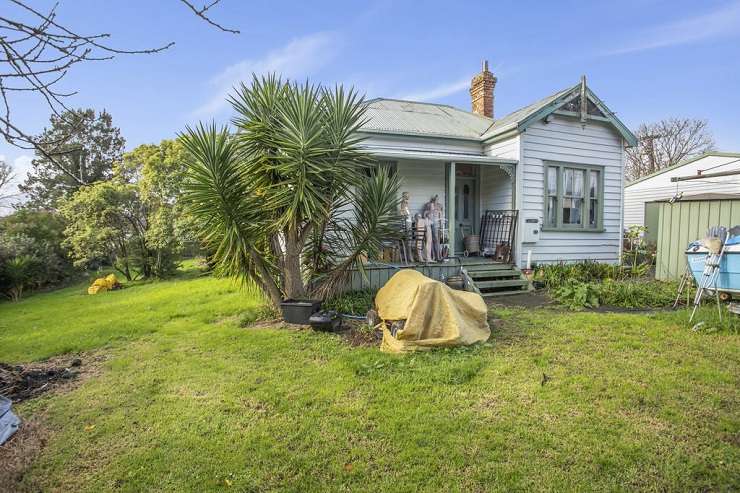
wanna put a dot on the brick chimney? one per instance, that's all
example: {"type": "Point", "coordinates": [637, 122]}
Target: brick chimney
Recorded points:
{"type": "Point", "coordinates": [481, 92]}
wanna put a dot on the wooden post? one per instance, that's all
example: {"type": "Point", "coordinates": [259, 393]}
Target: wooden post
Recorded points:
{"type": "Point", "coordinates": [451, 205]}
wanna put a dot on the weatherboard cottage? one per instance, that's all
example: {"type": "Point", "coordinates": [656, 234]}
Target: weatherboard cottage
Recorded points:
{"type": "Point", "coordinates": [556, 166]}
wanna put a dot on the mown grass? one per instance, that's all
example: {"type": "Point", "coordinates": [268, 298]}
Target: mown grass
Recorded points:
{"type": "Point", "coordinates": [189, 401]}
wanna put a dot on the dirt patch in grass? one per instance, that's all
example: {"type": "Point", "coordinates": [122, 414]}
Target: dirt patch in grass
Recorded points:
{"type": "Point", "coordinates": [357, 335]}
{"type": "Point", "coordinates": [21, 382]}
{"type": "Point", "coordinates": [275, 323]}
{"type": "Point", "coordinates": [353, 332]}
{"type": "Point", "coordinates": [18, 453]}
{"type": "Point", "coordinates": [541, 299]}
{"type": "Point", "coordinates": [534, 299]}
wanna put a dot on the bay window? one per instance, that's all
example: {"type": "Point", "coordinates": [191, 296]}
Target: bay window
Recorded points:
{"type": "Point", "coordinates": [573, 197]}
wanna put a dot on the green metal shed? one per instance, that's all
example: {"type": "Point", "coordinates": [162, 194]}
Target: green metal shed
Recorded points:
{"type": "Point", "coordinates": [684, 221]}
{"type": "Point", "coordinates": [652, 216]}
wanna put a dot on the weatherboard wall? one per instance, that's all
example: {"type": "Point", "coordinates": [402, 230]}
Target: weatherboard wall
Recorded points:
{"type": "Point", "coordinates": [496, 189]}
{"type": "Point", "coordinates": [422, 180]}
{"type": "Point", "coordinates": [566, 140]}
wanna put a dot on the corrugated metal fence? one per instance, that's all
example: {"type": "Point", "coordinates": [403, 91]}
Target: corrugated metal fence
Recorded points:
{"type": "Point", "coordinates": [683, 222]}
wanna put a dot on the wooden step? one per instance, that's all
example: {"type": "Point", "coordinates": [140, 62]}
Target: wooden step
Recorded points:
{"type": "Point", "coordinates": [487, 266]}
{"type": "Point", "coordinates": [482, 274]}
{"type": "Point", "coordinates": [503, 293]}
{"type": "Point", "coordinates": [504, 283]}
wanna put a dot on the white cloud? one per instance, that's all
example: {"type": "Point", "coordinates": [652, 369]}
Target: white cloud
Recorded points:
{"type": "Point", "coordinates": [299, 58]}
{"type": "Point", "coordinates": [439, 91]}
{"type": "Point", "coordinates": [21, 167]}
{"type": "Point", "coordinates": [721, 22]}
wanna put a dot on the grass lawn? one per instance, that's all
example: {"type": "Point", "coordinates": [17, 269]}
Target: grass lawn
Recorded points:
{"type": "Point", "coordinates": [187, 400]}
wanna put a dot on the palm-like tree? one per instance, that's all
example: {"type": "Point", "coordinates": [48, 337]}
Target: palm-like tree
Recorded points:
{"type": "Point", "coordinates": [290, 201]}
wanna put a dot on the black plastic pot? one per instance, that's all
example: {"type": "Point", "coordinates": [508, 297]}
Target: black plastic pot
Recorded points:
{"type": "Point", "coordinates": [328, 321]}
{"type": "Point", "coordinates": [299, 311]}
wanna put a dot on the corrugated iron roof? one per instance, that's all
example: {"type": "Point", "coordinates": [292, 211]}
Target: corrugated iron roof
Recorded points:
{"type": "Point", "coordinates": [702, 197]}
{"type": "Point", "coordinates": [515, 117]}
{"type": "Point", "coordinates": [683, 163]}
{"type": "Point", "coordinates": [410, 117]}
{"type": "Point", "coordinates": [441, 120]}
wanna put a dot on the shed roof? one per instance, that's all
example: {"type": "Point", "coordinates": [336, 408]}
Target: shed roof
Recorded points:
{"type": "Point", "coordinates": [684, 163]}
{"type": "Point", "coordinates": [703, 197]}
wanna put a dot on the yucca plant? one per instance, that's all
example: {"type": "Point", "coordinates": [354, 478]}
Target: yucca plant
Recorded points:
{"type": "Point", "coordinates": [18, 274]}
{"type": "Point", "coordinates": [290, 201]}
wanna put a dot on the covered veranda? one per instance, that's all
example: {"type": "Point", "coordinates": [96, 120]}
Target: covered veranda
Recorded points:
{"type": "Point", "coordinates": [467, 185]}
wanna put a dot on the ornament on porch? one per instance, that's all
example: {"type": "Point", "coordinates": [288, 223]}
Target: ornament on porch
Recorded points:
{"type": "Point", "coordinates": [434, 213]}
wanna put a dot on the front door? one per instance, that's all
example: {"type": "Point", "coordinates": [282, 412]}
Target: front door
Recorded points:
{"type": "Point", "coordinates": [465, 209]}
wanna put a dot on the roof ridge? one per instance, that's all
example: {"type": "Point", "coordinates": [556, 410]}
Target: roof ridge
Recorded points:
{"type": "Point", "coordinates": [533, 105]}
{"type": "Point", "coordinates": [414, 102]}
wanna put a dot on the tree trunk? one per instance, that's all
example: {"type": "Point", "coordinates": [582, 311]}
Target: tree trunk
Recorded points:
{"type": "Point", "coordinates": [294, 287]}
{"type": "Point", "coordinates": [125, 270]}
{"type": "Point", "coordinates": [267, 280]}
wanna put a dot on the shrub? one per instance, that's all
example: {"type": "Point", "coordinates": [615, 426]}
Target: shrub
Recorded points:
{"type": "Point", "coordinates": [18, 273]}
{"type": "Point", "coordinates": [619, 293]}
{"type": "Point", "coordinates": [554, 276]}
{"type": "Point", "coordinates": [637, 251]}
{"type": "Point", "coordinates": [352, 302]}
{"type": "Point", "coordinates": [577, 295]}
{"type": "Point", "coordinates": [37, 234]}
{"type": "Point", "coordinates": [633, 294]}
{"type": "Point", "coordinates": [557, 275]}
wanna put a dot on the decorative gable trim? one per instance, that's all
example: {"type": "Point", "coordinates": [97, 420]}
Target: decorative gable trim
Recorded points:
{"type": "Point", "coordinates": [556, 105]}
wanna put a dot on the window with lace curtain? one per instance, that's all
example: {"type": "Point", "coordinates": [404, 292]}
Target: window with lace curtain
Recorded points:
{"type": "Point", "coordinates": [573, 197]}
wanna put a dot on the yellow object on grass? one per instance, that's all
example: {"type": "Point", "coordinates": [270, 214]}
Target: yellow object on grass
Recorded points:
{"type": "Point", "coordinates": [103, 284]}
{"type": "Point", "coordinates": [435, 314]}
{"type": "Point", "coordinates": [96, 289]}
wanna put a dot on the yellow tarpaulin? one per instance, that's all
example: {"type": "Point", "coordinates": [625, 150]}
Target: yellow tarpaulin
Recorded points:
{"type": "Point", "coordinates": [104, 284]}
{"type": "Point", "coordinates": [435, 314]}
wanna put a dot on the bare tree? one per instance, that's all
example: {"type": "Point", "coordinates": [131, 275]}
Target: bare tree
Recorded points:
{"type": "Point", "coordinates": [37, 51]}
{"type": "Point", "coordinates": [6, 183]}
{"type": "Point", "coordinates": [666, 143]}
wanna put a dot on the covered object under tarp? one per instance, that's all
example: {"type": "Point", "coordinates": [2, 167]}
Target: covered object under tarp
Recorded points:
{"type": "Point", "coordinates": [9, 422]}
{"type": "Point", "coordinates": [435, 315]}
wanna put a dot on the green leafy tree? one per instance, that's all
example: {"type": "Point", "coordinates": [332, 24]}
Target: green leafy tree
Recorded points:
{"type": "Point", "coordinates": [288, 201]}
{"type": "Point", "coordinates": [38, 234]}
{"type": "Point", "coordinates": [134, 220]}
{"type": "Point", "coordinates": [79, 148]}
{"type": "Point", "coordinates": [106, 222]}
{"type": "Point", "coordinates": [158, 172]}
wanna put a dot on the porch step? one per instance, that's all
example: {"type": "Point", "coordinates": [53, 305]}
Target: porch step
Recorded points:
{"type": "Point", "coordinates": [503, 293]}
{"type": "Point", "coordinates": [507, 283]}
{"type": "Point", "coordinates": [496, 279]}
{"type": "Point", "coordinates": [484, 265]}
{"type": "Point", "coordinates": [485, 274]}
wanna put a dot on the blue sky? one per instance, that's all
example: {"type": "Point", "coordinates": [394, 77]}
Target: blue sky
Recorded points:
{"type": "Point", "coordinates": [646, 59]}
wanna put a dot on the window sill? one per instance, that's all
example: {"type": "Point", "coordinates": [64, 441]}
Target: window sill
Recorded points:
{"type": "Point", "coordinates": [572, 230]}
